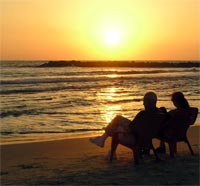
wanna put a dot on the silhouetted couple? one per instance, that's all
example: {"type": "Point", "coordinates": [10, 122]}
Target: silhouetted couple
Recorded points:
{"type": "Point", "coordinates": [122, 125]}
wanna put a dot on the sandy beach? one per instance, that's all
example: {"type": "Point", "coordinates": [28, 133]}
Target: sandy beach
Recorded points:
{"type": "Point", "coordinates": [78, 162]}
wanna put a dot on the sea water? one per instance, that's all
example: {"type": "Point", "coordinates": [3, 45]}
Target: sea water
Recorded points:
{"type": "Point", "coordinates": [70, 102]}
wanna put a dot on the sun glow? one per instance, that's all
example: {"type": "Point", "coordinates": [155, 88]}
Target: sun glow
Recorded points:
{"type": "Point", "coordinates": [99, 30]}
{"type": "Point", "coordinates": [111, 39]}
{"type": "Point", "coordinates": [111, 35]}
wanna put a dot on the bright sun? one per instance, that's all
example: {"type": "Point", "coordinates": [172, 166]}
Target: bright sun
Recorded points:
{"type": "Point", "coordinates": [112, 37]}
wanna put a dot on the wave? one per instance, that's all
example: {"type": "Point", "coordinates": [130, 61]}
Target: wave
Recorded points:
{"type": "Point", "coordinates": [89, 76]}
{"type": "Point", "coordinates": [49, 80]}
{"type": "Point", "coordinates": [52, 132]}
{"type": "Point", "coordinates": [123, 101]}
{"type": "Point", "coordinates": [41, 89]}
{"type": "Point", "coordinates": [79, 84]}
{"type": "Point", "coordinates": [22, 110]}
{"type": "Point", "coordinates": [17, 113]}
{"type": "Point", "coordinates": [149, 71]}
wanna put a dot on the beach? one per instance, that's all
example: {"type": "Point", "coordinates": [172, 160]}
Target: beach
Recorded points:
{"type": "Point", "coordinates": [79, 162]}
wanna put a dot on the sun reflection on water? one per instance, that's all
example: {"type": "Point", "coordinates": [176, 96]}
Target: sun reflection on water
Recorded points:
{"type": "Point", "coordinates": [109, 111]}
{"type": "Point", "coordinates": [112, 75]}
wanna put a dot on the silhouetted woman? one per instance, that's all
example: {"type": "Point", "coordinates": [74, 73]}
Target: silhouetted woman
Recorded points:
{"type": "Point", "coordinates": [180, 102]}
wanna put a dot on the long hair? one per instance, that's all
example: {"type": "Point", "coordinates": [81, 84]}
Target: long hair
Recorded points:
{"type": "Point", "coordinates": [179, 98]}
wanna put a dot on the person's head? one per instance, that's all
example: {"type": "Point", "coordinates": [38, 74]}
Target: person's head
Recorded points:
{"type": "Point", "coordinates": [179, 100]}
{"type": "Point", "coordinates": [149, 100]}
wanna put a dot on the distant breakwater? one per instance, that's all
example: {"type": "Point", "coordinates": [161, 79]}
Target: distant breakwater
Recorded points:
{"type": "Point", "coordinates": [152, 64]}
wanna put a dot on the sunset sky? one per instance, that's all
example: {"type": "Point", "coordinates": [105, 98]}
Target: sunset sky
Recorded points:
{"type": "Point", "coordinates": [100, 29]}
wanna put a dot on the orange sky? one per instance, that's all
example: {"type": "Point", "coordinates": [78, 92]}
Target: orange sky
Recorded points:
{"type": "Point", "coordinates": [100, 29]}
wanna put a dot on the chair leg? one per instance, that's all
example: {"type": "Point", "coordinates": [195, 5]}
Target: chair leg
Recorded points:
{"type": "Point", "coordinates": [175, 148]}
{"type": "Point", "coordinates": [154, 151]}
{"type": "Point", "coordinates": [136, 154]}
{"type": "Point", "coordinates": [114, 145]}
{"type": "Point", "coordinates": [172, 149]}
{"type": "Point", "coordinates": [189, 146]}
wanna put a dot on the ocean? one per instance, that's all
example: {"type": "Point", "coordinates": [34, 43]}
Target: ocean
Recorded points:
{"type": "Point", "coordinates": [70, 102]}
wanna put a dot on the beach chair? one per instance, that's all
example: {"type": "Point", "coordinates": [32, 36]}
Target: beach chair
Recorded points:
{"type": "Point", "coordinates": [145, 128]}
{"type": "Point", "coordinates": [177, 127]}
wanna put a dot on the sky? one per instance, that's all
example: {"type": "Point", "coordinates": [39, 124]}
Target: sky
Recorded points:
{"type": "Point", "coordinates": [100, 29]}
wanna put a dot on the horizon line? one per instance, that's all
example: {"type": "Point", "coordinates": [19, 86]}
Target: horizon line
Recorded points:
{"type": "Point", "coordinates": [108, 60]}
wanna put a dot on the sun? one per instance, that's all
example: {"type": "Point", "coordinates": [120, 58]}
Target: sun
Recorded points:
{"type": "Point", "coordinates": [111, 39]}
{"type": "Point", "coordinates": [112, 36]}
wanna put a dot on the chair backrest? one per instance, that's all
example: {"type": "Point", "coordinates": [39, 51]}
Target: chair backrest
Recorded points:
{"type": "Point", "coordinates": [147, 126]}
{"type": "Point", "coordinates": [193, 115]}
{"type": "Point", "coordinates": [179, 123]}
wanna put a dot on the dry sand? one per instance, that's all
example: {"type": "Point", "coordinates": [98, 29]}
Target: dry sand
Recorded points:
{"type": "Point", "coordinates": [78, 162]}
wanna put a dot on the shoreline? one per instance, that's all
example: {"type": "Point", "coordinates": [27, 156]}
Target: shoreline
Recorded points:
{"type": "Point", "coordinates": [79, 162]}
{"type": "Point", "coordinates": [24, 139]}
